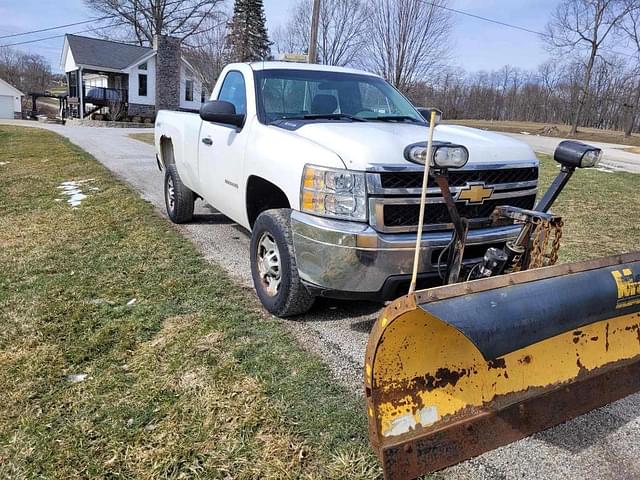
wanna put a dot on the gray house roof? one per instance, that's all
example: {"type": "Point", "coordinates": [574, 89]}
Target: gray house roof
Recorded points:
{"type": "Point", "coordinates": [104, 53]}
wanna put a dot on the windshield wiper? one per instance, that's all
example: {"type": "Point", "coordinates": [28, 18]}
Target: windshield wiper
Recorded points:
{"type": "Point", "coordinates": [395, 118]}
{"type": "Point", "coordinates": [332, 116]}
{"type": "Point", "coordinates": [328, 116]}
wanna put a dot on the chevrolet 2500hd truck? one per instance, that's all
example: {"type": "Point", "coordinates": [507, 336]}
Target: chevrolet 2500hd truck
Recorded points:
{"type": "Point", "coordinates": [319, 163]}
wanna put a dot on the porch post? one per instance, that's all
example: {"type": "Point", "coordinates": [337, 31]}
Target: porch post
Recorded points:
{"type": "Point", "coordinates": [81, 92]}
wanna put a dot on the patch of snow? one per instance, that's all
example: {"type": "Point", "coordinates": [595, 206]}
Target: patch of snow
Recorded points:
{"type": "Point", "coordinates": [77, 377]}
{"type": "Point", "coordinates": [525, 133]}
{"type": "Point", "coordinates": [131, 302]}
{"type": "Point", "coordinates": [72, 190]}
{"type": "Point", "coordinates": [4, 163]}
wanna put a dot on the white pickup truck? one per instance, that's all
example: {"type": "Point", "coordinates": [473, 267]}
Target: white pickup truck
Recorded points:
{"type": "Point", "coordinates": [315, 162]}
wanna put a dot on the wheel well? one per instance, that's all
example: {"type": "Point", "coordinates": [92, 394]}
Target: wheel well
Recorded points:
{"type": "Point", "coordinates": [166, 151]}
{"type": "Point", "coordinates": [263, 195]}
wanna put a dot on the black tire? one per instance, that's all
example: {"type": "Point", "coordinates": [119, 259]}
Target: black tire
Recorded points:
{"type": "Point", "coordinates": [180, 207]}
{"type": "Point", "coordinates": [290, 297]}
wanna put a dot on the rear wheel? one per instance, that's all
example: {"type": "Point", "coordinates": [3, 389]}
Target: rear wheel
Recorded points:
{"type": "Point", "coordinates": [273, 265]}
{"type": "Point", "coordinates": [178, 198]}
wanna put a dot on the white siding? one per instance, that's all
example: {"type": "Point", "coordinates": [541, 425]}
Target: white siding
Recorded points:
{"type": "Point", "coordinates": [186, 74]}
{"type": "Point", "coordinates": [70, 63]}
{"type": "Point", "coordinates": [7, 90]}
{"type": "Point", "coordinates": [134, 71]}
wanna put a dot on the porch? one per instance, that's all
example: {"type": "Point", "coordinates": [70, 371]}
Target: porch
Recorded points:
{"type": "Point", "coordinates": [97, 91]}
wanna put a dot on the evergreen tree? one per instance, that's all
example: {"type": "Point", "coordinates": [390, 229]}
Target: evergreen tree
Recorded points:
{"type": "Point", "coordinates": [247, 40]}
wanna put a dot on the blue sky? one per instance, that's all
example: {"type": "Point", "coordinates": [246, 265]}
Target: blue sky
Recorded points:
{"type": "Point", "coordinates": [475, 44]}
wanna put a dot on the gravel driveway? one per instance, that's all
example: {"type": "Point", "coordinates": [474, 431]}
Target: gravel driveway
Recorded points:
{"type": "Point", "coordinates": [602, 444]}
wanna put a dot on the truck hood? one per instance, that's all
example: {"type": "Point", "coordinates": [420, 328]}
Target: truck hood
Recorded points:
{"type": "Point", "coordinates": [364, 146]}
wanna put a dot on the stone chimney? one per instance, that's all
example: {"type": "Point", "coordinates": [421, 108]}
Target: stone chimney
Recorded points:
{"type": "Point", "coordinates": [167, 72]}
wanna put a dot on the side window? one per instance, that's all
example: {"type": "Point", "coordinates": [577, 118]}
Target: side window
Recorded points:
{"type": "Point", "coordinates": [233, 91]}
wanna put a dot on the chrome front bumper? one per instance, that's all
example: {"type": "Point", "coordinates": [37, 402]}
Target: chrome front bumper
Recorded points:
{"type": "Point", "coordinates": [343, 256]}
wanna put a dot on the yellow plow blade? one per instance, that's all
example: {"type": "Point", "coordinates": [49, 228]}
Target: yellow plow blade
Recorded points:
{"type": "Point", "coordinates": [459, 370]}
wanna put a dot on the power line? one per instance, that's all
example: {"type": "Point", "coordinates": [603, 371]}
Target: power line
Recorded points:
{"type": "Point", "coordinates": [509, 25]}
{"type": "Point", "coordinates": [486, 19]}
{"type": "Point", "coordinates": [48, 29]}
{"type": "Point", "coordinates": [97, 19]}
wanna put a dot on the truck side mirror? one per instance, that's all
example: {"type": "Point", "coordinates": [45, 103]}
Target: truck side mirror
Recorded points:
{"type": "Point", "coordinates": [425, 112]}
{"type": "Point", "coordinates": [219, 111]}
{"type": "Point", "coordinates": [572, 154]}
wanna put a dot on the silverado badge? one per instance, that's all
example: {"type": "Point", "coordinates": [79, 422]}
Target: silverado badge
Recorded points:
{"type": "Point", "coordinates": [474, 193]}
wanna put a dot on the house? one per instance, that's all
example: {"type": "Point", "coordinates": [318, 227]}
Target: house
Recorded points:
{"type": "Point", "coordinates": [128, 79]}
{"type": "Point", "coordinates": [10, 101]}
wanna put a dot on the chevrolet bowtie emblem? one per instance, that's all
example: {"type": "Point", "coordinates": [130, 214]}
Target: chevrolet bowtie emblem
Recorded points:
{"type": "Point", "coordinates": [474, 193]}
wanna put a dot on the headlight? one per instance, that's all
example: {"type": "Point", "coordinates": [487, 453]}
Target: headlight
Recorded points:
{"type": "Point", "coordinates": [443, 155]}
{"type": "Point", "coordinates": [333, 193]}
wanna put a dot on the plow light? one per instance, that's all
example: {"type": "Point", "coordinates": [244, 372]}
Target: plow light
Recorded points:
{"type": "Point", "coordinates": [572, 154]}
{"type": "Point", "coordinates": [443, 155]}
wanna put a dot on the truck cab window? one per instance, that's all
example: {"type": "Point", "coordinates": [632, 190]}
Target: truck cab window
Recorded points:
{"type": "Point", "coordinates": [233, 91]}
{"type": "Point", "coordinates": [313, 94]}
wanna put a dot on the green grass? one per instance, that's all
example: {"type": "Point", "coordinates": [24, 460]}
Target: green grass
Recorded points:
{"type": "Point", "coordinates": [143, 137]}
{"type": "Point", "coordinates": [189, 381]}
{"type": "Point", "coordinates": [599, 209]}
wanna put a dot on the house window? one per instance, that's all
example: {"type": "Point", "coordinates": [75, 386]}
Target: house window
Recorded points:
{"type": "Point", "coordinates": [188, 91]}
{"type": "Point", "coordinates": [203, 95]}
{"type": "Point", "coordinates": [142, 66]}
{"type": "Point", "coordinates": [142, 85]}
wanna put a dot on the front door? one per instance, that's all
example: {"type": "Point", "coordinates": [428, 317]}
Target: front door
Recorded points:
{"type": "Point", "coordinates": [221, 153]}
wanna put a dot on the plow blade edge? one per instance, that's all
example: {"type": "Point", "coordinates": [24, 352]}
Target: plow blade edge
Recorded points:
{"type": "Point", "coordinates": [459, 370]}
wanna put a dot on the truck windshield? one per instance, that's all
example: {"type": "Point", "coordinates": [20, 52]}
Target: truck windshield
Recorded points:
{"type": "Point", "coordinates": [317, 95]}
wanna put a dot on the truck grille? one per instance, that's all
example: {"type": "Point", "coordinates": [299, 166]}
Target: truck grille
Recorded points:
{"type": "Point", "coordinates": [394, 197]}
{"type": "Point", "coordinates": [437, 213]}
{"type": "Point", "coordinates": [460, 178]}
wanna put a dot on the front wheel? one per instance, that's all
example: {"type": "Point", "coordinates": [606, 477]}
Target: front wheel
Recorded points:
{"type": "Point", "coordinates": [273, 265]}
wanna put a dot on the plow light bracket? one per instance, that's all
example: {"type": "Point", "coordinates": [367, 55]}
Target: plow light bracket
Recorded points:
{"type": "Point", "coordinates": [444, 155]}
{"type": "Point", "coordinates": [572, 154]}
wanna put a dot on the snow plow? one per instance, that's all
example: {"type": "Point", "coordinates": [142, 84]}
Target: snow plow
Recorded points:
{"type": "Point", "coordinates": [504, 348]}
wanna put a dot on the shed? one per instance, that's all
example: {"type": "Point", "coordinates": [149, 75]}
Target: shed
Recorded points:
{"type": "Point", "coordinates": [10, 101]}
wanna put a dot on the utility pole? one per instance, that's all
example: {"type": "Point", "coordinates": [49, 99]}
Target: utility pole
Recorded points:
{"type": "Point", "coordinates": [315, 17]}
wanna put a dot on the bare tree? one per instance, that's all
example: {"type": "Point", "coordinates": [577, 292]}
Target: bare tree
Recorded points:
{"type": "Point", "coordinates": [407, 39]}
{"type": "Point", "coordinates": [27, 72]}
{"type": "Point", "coordinates": [145, 18]}
{"type": "Point", "coordinates": [285, 40]}
{"type": "Point", "coordinates": [341, 30]}
{"type": "Point", "coordinates": [207, 50]}
{"type": "Point", "coordinates": [117, 109]}
{"type": "Point", "coordinates": [630, 26]}
{"type": "Point", "coordinates": [581, 27]}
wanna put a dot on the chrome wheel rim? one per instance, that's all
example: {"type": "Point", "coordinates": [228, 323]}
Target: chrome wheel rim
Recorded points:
{"type": "Point", "coordinates": [171, 194]}
{"type": "Point", "coordinates": [268, 263]}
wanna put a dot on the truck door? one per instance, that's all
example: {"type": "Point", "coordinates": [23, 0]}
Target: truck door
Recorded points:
{"type": "Point", "coordinates": [221, 153]}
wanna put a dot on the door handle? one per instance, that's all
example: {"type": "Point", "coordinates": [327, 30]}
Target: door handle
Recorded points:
{"type": "Point", "coordinates": [207, 141]}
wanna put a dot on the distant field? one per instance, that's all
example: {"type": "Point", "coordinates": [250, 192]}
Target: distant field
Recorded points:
{"type": "Point", "coordinates": [551, 130]}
